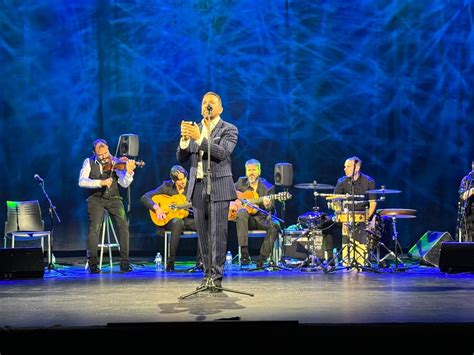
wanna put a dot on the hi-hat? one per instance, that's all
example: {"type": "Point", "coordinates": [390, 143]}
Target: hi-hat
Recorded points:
{"type": "Point", "coordinates": [314, 186]}
{"type": "Point", "coordinates": [383, 191]}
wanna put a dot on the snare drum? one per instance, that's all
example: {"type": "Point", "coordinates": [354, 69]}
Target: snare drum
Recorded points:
{"type": "Point", "coordinates": [312, 220]}
{"type": "Point", "coordinates": [345, 217]}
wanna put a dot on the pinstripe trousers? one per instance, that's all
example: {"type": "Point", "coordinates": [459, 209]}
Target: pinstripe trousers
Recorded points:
{"type": "Point", "coordinates": [213, 267]}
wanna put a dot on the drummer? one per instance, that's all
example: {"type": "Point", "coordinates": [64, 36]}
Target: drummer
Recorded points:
{"type": "Point", "coordinates": [356, 183]}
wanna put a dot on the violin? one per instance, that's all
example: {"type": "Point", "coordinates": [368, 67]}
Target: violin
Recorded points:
{"type": "Point", "coordinates": [120, 164]}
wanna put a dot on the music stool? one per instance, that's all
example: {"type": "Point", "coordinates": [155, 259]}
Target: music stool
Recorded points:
{"type": "Point", "coordinates": [167, 241]}
{"type": "Point", "coordinates": [261, 233]}
{"type": "Point", "coordinates": [107, 229]}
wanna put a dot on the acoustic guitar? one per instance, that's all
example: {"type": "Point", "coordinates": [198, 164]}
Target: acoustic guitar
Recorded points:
{"type": "Point", "coordinates": [172, 206]}
{"type": "Point", "coordinates": [251, 197]}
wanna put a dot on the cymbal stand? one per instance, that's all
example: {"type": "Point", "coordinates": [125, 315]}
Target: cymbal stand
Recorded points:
{"type": "Point", "coordinates": [379, 261]}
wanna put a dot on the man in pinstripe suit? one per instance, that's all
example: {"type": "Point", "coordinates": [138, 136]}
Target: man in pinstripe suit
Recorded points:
{"type": "Point", "coordinates": [193, 146]}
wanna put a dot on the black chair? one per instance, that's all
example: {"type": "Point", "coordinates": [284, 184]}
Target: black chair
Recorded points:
{"type": "Point", "coordinates": [24, 223]}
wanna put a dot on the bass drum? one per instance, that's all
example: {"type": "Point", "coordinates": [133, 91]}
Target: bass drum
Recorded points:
{"type": "Point", "coordinates": [312, 220]}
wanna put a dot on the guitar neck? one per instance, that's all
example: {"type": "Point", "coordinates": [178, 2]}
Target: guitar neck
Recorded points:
{"type": "Point", "coordinates": [184, 206]}
{"type": "Point", "coordinates": [260, 199]}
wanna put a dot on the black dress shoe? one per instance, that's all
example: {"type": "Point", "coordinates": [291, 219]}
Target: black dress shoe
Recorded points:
{"type": "Point", "coordinates": [125, 267]}
{"type": "Point", "coordinates": [244, 261]}
{"type": "Point", "coordinates": [170, 266]}
{"type": "Point", "coordinates": [94, 269]}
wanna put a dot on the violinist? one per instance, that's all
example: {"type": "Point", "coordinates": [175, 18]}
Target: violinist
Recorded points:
{"type": "Point", "coordinates": [101, 175]}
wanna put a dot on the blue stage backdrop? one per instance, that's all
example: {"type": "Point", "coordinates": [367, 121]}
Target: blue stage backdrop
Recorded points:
{"type": "Point", "coordinates": [306, 82]}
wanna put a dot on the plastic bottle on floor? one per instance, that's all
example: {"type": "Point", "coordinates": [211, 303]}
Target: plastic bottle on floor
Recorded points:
{"type": "Point", "coordinates": [159, 262]}
{"type": "Point", "coordinates": [228, 261]}
{"type": "Point", "coordinates": [334, 255]}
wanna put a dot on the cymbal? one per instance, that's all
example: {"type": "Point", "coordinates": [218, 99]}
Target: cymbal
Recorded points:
{"type": "Point", "coordinates": [397, 212]}
{"type": "Point", "coordinates": [383, 191]}
{"type": "Point", "coordinates": [313, 186]}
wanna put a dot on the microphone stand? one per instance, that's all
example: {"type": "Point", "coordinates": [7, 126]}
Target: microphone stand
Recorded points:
{"type": "Point", "coordinates": [209, 284]}
{"type": "Point", "coordinates": [269, 216]}
{"type": "Point", "coordinates": [52, 211]}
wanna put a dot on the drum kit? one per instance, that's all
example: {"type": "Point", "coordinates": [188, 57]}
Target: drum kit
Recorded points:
{"type": "Point", "coordinates": [345, 212]}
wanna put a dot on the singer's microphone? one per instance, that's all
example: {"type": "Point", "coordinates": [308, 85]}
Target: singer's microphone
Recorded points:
{"type": "Point", "coordinates": [209, 108]}
{"type": "Point", "coordinates": [38, 178]}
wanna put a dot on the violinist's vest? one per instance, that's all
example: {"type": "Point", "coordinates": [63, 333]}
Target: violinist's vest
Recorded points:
{"type": "Point", "coordinates": [112, 191]}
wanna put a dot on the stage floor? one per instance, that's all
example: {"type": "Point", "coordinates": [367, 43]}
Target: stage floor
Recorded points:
{"type": "Point", "coordinates": [73, 297]}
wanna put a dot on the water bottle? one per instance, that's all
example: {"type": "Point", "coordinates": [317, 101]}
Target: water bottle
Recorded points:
{"type": "Point", "coordinates": [53, 259]}
{"type": "Point", "coordinates": [334, 255]}
{"type": "Point", "coordinates": [228, 261]}
{"type": "Point", "coordinates": [159, 262]}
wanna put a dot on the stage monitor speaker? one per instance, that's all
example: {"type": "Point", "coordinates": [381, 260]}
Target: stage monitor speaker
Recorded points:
{"type": "Point", "coordinates": [456, 257]}
{"type": "Point", "coordinates": [128, 145]}
{"type": "Point", "coordinates": [283, 174]}
{"type": "Point", "coordinates": [21, 263]}
{"type": "Point", "coordinates": [427, 249]}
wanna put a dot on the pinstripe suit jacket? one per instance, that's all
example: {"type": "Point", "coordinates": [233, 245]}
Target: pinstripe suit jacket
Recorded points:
{"type": "Point", "coordinates": [223, 141]}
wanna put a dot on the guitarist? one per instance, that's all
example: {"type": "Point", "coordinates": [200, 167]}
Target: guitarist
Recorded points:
{"type": "Point", "coordinates": [177, 185]}
{"type": "Point", "coordinates": [245, 221]}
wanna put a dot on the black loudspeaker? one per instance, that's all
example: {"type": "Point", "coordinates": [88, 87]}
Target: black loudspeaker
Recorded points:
{"type": "Point", "coordinates": [283, 174]}
{"type": "Point", "coordinates": [456, 257]}
{"type": "Point", "coordinates": [21, 263]}
{"type": "Point", "coordinates": [428, 248]}
{"type": "Point", "coordinates": [128, 145]}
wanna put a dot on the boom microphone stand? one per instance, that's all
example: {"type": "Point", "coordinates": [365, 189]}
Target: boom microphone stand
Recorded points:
{"type": "Point", "coordinates": [269, 217]}
{"type": "Point", "coordinates": [52, 212]}
{"type": "Point", "coordinates": [209, 284]}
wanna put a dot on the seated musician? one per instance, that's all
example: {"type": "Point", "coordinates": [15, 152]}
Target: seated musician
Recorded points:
{"type": "Point", "coordinates": [245, 221]}
{"type": "Point", "coordinates": [357, 183]}
{"type": "Point", "coordinates": [465, 207]}
{"type": "Point", "coordinates": [176, 186]}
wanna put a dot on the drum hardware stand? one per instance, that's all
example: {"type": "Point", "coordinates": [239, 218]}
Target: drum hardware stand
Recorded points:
{"type": "Point", "coordinates": [381, 244]}
{"type": "Point", "coordinates": [272, 265]}
{"type": "Point", "coordinates": [397, 246]}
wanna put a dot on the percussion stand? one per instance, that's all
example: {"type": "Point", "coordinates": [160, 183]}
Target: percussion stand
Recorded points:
{"type": "Point", "coordinates": [352, 250]}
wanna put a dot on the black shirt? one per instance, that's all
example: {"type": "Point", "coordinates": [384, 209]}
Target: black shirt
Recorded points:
{"type": "Point", "coordinates": [361, 186]}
